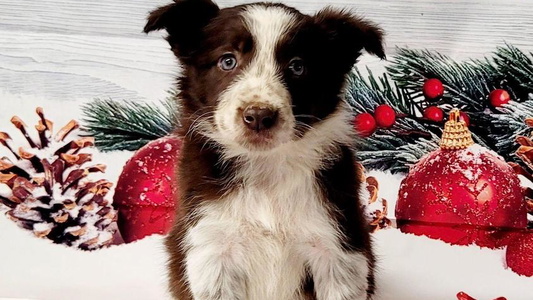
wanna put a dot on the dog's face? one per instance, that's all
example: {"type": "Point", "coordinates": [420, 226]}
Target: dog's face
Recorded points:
{"type": "Point", "coordinates": [260, 75]}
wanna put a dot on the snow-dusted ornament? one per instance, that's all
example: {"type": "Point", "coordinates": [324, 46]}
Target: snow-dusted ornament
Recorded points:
{"type": "Point", "coordinates": [461, 193]}
{"type": "Point", "coordinates": [52, 187]}
{"type": "Point", "coordinates": [146, 190]}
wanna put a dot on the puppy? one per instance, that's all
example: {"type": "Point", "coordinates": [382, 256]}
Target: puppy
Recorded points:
{"type": "Point", "coordinates": [269, 206]}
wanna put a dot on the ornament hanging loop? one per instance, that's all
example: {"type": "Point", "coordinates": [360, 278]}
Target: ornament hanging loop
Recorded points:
{"type": "Point", "coordinates": [456, 134]}
{"type": "Point", "coordinates": [455, 115]}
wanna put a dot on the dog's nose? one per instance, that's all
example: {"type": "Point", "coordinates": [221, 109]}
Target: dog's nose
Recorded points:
{"type": "Point", "coordinates": [259, 118]}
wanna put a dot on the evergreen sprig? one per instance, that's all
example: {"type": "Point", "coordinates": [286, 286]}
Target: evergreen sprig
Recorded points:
{"type": "Point", "coordinates": [516, 68]}
{"type": "Point", "coordinates": [407, 141]}
{"type": "Point", "coordinates": [127, 125]}
{"type": "Point", "coordinates": [507, 125]}
{"type": "Point", "coordinates": [467, 85]}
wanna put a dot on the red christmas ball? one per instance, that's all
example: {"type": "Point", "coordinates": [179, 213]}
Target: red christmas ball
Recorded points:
{"type": "Point", "coordinates": [433, 89]}
{"type": "Point", "coordinates": [519, 254]}
{"type": "Point", "coordinates": [464, 117]}
{"type": "Point", "coordinates": [434, 114]}
{"type": "Point", "coordinates": [385, 116]}
{"type": "Point", "coordinates": [146, 190]}
{"type": "Point", "coordinates": [365, 124]}
{"type": "Point", "coordinates": [499, 97]}
{"type": "Point", "coordinates": [457, 196]}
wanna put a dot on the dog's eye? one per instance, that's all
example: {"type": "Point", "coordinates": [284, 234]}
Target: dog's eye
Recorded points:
{"type": "Point", "coordinates": [227, 62]}
{"type": "Point", "coordinates": [297, 66]}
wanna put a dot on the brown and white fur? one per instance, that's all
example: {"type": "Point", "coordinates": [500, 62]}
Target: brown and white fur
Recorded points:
{"type": "Point", "coordinates": [269, 205]}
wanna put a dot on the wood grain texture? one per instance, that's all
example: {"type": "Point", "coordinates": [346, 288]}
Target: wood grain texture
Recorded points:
{"type": "Point", "coordinates": [68, 50]}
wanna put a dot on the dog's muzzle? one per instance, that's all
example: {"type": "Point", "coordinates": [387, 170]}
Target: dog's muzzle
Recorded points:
{"type": "Point", "coordinates": [259, 117]}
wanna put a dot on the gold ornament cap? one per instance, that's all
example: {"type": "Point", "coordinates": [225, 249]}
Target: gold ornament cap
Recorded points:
{"type": "Point", "coordinates": [456, 134]}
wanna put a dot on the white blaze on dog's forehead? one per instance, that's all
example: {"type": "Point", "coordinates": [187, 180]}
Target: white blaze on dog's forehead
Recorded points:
{"type": "Point", "coordinates": [268, 26]}
{"type": "Point", "coordinates": [261, 82]}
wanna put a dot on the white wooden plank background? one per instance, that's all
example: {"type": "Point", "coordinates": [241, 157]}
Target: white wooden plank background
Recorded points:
{"type": "Point", "coordinates": [69, 50]}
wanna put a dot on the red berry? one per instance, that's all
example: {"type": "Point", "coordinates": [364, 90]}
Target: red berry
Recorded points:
{"type": "Point", "coordinates": [433, 88]}
{"type": "Point", "coordinates": [365, 124]}
{"type": "Point", "coordinates": [464, 117]}
{"type": "Point", "coordinates": [385, 116]}
{"type": "Point", "coordinates": [499, 97]}
{"type": "Point", "coordinates": [434, 113]}
{"type": "Point", "coordinates": [519, 255]}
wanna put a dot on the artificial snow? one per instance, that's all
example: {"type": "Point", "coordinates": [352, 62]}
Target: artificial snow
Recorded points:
{"type": "Point", "coordinates": [5, 190]}
{"type": "Point", "coordinates": [413, 267]}
{"type": "Point", "coordinates": [409, 267]}
{"type": "Point", "coordinates": [36, 269]}
{"type": "Point", "coordinates": [39, 227]}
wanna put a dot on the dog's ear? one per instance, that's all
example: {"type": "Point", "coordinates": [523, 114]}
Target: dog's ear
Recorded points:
{"type": "Point", "coordinates": [184, 21]}
{"type": "Point", "coordinates": [347, 35]}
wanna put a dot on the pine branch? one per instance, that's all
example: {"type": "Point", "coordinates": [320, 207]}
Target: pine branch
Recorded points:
{"type": "Point", "coordinates": [508, 125]}
{"type": "Point", "coordinates": [128, 125]}
{"type": "Point", "coordinates": [406, 141]}
{"type": "Point", "coordinates": [467, 84]}
{"type": "Point", "coordinates": [467, 87]}
{"type": "Point", "coordinates": [365, 96]}
{"type": "Point", "coordinates": [517, 69]}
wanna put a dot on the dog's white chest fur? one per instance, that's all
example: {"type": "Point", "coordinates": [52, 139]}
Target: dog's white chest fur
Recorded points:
{"type": "Point", "coordinates": [265, 234]}
{"type": "Point", "coordinates": [262, 227]}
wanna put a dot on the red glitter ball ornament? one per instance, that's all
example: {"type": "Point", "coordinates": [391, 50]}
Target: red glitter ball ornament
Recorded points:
{"type": "Point", "coordinates": [461, 193]}
{"type": "Point", "coordinates": [385, 116]}
{"type": "Point", "coordinates": [146, 190]}
{"type": "Point", "coordinates": [433, 89]}
{"type": "Point", "coordinates": [365, 124]}
{"type": "Point", "coordinates": [519, 255]}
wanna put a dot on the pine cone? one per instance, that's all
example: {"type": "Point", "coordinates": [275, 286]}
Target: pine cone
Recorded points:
{"type": "Point", "coordinates": [525, 153]}
{"type": "Point", "coordinates": [375, 209]}
{"type": "Point", "coordinates": [48, 189]}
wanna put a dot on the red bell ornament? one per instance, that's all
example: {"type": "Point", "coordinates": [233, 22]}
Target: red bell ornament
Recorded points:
{"type": "Point", "coordinates": [461, 193]}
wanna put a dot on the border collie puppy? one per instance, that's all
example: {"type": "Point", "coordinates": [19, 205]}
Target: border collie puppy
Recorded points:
{"type": "Point", "coordinates": [269, 204]}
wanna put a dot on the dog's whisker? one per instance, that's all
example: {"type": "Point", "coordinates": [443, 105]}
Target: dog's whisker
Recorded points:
{"type": "Point", "coordinates": [200, 122]}
{"type": "Point", "coordinates": [308, 117]}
